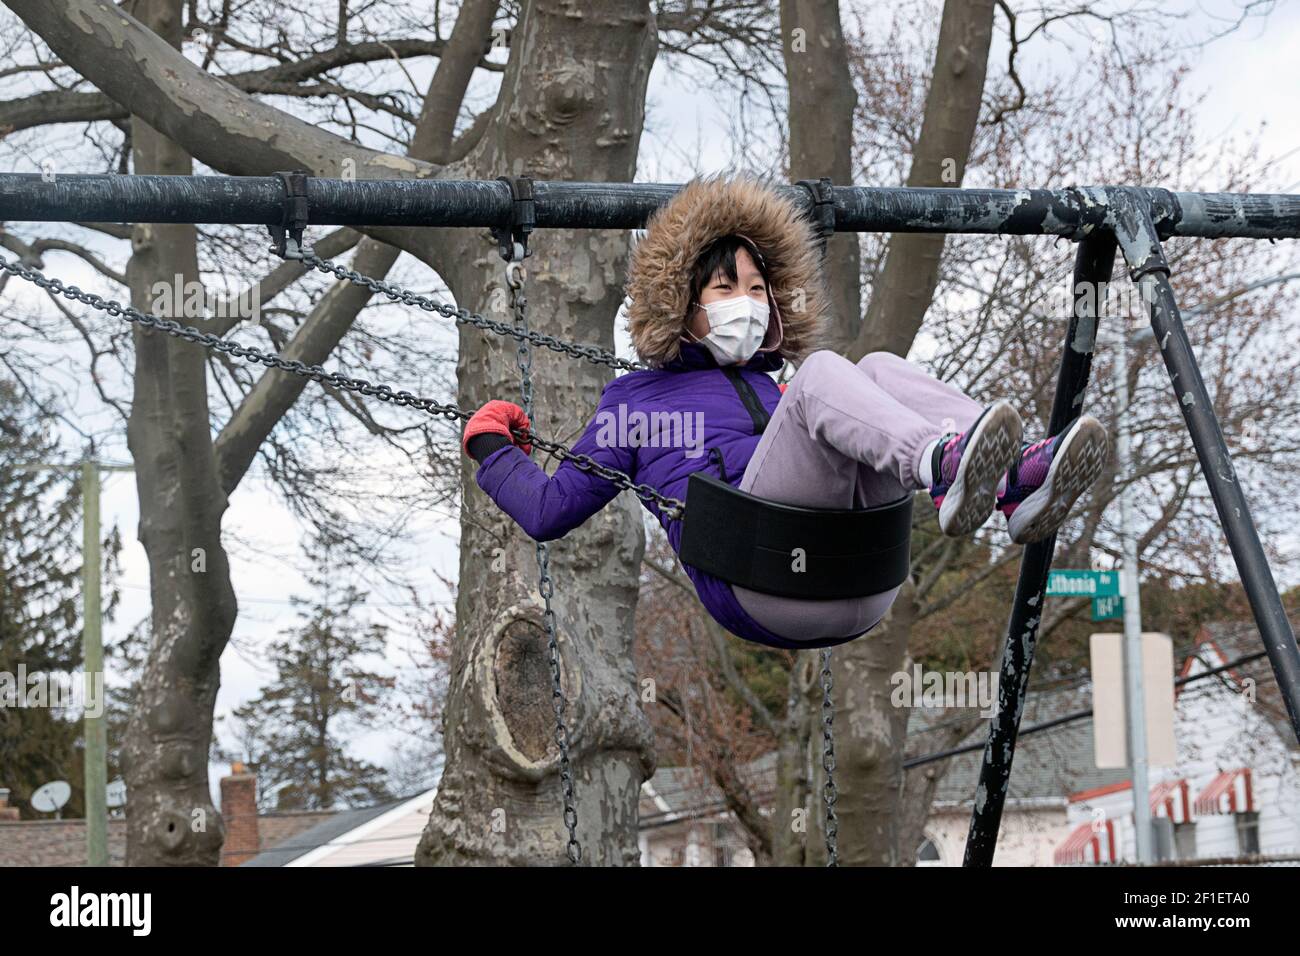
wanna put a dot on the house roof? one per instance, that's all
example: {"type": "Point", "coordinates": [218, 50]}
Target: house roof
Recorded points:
{"type": "Point", "coordinates": [676, 791]}
{"type": "Point", "coordinates": [1059, 761]}
{"type": "Point", "coordinates": [378, 834]}
{"type": "Point", "coordinates": [322, 833]}
{"type": "Point", "coordinates": [1047, 765]}
{"type": "Point", "coordinates": [1218, 642]}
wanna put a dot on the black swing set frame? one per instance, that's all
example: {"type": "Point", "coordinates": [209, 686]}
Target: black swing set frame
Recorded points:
{"type": "Point", "coordinates": [1103, 221]}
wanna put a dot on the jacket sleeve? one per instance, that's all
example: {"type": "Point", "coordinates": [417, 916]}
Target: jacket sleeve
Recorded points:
{"type": "Point", "coordinates": [550, 507]}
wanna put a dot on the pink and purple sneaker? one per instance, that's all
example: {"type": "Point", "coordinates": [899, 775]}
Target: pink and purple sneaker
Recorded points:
{"type": "Point", "coordinates": [1049, 475]}
{"type": "Point", "coordinates": [967, 467]}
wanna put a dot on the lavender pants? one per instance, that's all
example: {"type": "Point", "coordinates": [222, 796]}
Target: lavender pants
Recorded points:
{"type": "Point", "coordinates": [846, 436]}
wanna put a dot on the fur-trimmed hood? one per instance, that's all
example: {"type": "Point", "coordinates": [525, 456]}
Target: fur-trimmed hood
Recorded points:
{"type": "Point", "coordinates": [679, 231]}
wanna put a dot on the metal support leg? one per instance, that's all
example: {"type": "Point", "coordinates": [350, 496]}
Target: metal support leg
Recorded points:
{"type": "Point", "coordinates": [1147, 264]}
{"type": "Point", "coordinates": [1092, 268]}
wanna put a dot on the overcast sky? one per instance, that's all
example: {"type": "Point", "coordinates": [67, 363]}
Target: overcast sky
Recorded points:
{"type": "Point", "coordinates": [1248, 78]}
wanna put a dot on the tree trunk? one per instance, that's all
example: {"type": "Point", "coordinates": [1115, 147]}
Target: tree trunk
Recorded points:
{"type": "Point", "coordinates": [572, 107]}
{"type": "Point", "coordinates": [906, 285]}
{"type": "Point", "coordinates": [870, 734]}
{"type": "Point", "coordinates": [921, 783]}
{"type": "Point", "coordinates": [170, 817]}
{"type": "Point", "coordinates": [822, 103]}
{"type": "Point", "coordinates": [182, 483]}
{"type": "Point", "coordinates": [798, 808]}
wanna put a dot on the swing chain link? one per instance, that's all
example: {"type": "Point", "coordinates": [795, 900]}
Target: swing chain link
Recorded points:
{"type": "Point", "coordinates": [515, 277]}
{"type": "Point", "coordinates": [249, 353]}
{"type": "Point", "coordinates": [829, 793]}
{"type": "Point", "coordinates": [672, 507]}
{"type": "Point", "coordinates": [395, 293]}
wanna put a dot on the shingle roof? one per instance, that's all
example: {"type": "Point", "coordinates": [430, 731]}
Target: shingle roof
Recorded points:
{"type": "Point", "coordinates": [1236, 639]}
{"type": "Point", "coordinates": [1048, 765]}
{"type": "Point", "coordinates": [689, 788]}
{"type": "Point", "coordinates": [324, 832]}
{"type": "Point", "coordinates": [1059, 761]}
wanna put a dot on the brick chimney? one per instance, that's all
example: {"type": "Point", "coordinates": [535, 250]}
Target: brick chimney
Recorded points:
{"type": "Point", "coordinates": [239, 811]}
{"type": "Point", "coordinates": [6, 812]}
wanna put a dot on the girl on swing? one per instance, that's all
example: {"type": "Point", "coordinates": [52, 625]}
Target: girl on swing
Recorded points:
{"type": "Point", "coordinates": [725, 287]}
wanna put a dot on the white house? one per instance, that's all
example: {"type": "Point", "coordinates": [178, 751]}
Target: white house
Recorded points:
{"type": "Point", "coordinates": [684, 821]}
{"type": "Point", "coordinates": [1233, 794]}
{"type": "Point", "coordinates": [1235, 789]}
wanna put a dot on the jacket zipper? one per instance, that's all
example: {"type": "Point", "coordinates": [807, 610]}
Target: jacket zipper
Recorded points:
{"type": "Point", "coordinates": [749, 398]}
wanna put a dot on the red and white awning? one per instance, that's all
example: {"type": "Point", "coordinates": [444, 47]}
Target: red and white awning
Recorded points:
{"type": "Point", "coordinates": [1169, 799]}
{"type": "Point", "coordinates": [1092, 842]}
{"type": "Point", "coordinates": [1229, 792]}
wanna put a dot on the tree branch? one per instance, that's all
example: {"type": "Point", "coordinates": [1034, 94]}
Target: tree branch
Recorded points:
{"type": "Point", "coordinates": [51, 107]}
{"type": "Point", "coordinates": [211, 119]}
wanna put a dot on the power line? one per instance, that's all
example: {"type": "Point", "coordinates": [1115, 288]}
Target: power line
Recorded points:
{"type": "Point", "coordinates": [1071, 718]}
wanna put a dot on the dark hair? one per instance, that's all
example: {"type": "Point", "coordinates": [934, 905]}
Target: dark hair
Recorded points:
{"type": "Point", "coordinates": [721, 254]}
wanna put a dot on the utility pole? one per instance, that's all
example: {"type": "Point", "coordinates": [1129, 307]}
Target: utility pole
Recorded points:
{"type": "Point", "coordinates": [1134, 697]}
{"type": "Point", "coordinates": [96, 734]}
{"type": "Point", "coordinates": [93, 658]}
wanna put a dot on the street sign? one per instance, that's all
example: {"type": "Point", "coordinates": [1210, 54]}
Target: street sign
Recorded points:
{"type": "Point", "coordinates": [1070, 582]}
{"type": "Point", "coordinates": [1107, 608]}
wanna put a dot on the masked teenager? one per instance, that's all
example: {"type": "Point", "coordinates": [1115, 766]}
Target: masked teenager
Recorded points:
{"type": "Point", "coordinates": [726, 287]}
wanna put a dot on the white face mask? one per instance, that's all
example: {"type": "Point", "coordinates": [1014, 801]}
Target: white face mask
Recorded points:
{"type": "Point", "coordinates": [737, 327]}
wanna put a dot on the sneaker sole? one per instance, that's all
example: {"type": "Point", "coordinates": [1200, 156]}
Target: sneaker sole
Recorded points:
{"type": "Point", "coordinates": [992, 448]}
{"type": "Point", "coordinates": [1077, 464]}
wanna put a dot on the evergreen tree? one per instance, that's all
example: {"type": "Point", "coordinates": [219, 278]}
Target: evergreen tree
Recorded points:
{"type": "Point", "coordinates": [40, 599]}
{"type": "Point", "coordinates": [292, 733]}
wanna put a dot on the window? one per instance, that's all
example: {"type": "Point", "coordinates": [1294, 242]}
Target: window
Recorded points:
{"type": "Point", "coordinates": [928, 854]}
{"type": "Point", "coordinates": [1185, 840]}
{"type": "Point", "coordinates": [1248, 833]}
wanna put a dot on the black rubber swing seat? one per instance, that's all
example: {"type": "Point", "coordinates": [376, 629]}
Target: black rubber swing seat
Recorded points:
{"type": "Point", "coordinates": [808, 553]}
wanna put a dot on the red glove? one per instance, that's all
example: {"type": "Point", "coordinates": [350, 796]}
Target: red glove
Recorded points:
{"type": "Point", "coordinates": [498, 418]}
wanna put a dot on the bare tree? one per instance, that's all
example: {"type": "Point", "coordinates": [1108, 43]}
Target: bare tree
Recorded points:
{"type": "Point", "coordinates": [997, 317]}
{"type": "Point", "coordinates": [821, 113]}
{"type": "Point", "coordinates": [569, 107]}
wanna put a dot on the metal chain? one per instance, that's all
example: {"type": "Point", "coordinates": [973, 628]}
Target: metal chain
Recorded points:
{"type": "Point", "coordinates": [829, 794]}
{"type": "Point", "coordinates": [590, 353]}
{"type": "Point", "coordinates": [672, 507]}
{"type": "Point", "coordinates": [515, 277]}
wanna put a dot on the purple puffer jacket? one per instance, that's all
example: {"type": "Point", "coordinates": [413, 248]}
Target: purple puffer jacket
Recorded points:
{"type": "Point", "coordinates": [695, 388]}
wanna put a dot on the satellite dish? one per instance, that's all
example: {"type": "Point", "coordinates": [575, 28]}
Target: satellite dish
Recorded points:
{"type": "Point", "coordinates": [50, 797]}
{"type": "Point", "coordinates": [116, 794]}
